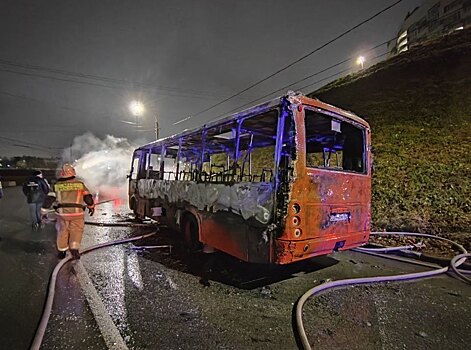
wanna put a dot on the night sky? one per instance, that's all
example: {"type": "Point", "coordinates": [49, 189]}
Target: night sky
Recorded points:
{"type": "Point", "coordinates": [68, 67]}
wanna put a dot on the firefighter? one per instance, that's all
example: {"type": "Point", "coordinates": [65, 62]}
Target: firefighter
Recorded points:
{"type": "Point", "coordinates": [68, 200]}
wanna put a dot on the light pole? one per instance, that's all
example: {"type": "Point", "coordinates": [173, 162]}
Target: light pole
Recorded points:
{"type": "Point", "coordinates": [361, 61]}
{"type": "Point", "coordinates": [157, 129]}
{"type": "Point", "coordinates": [137, 109]}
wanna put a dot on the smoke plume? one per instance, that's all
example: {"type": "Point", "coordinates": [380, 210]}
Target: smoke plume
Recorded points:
{"type": "Point", "coordinates": [101, 164]}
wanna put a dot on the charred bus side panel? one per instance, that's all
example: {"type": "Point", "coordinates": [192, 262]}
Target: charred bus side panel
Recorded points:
{"type": "Point", "coordinates": [232, 218]}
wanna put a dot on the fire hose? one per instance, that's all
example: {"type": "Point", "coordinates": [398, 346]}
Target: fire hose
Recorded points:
{"type": "Point", "coordinates": [40, 331]}
{"type": "Point", "coordinates": [97, 223]}
{"type": "Point", "coordinates": [45, 212]}
{"type": "Point", "coordinates": [453, 266]}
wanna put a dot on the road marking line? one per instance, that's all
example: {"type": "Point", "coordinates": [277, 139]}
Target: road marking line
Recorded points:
{"type": "Point", "coordinates": [110, 333]}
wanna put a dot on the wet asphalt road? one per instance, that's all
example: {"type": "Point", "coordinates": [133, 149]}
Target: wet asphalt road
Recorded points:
{"type": "Point", "coordinates": [26, 261]}
{"type": "Point", "coordinates": [27, 258]}
{"type": "Point", "coordinates": [162, 299]}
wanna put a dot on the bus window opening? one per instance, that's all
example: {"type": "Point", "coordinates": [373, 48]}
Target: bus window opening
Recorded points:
{"type": "Point", "coordinates": [333, 144]}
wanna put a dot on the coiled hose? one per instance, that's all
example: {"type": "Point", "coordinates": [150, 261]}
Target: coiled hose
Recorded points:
{"type": "Point", "coordinates": [40, 331]}
{"type": "Point", "coordinates": [454, 264]}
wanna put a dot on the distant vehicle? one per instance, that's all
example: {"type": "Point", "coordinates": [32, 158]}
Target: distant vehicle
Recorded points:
{"type": "Point", "coordinates": [283, 181]}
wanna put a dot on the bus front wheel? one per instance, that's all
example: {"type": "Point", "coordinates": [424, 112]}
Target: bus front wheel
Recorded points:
{"type": "Point", "coordinates": [190, 232]}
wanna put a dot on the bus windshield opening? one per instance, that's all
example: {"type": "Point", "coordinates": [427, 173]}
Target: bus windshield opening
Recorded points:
{"type": "Point", "coordinates": [332, 143]}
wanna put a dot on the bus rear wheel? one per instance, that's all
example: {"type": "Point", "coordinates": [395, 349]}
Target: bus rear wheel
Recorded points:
{"type": "Point", "coordinates": [134, 207]}
{"type": "Point", "coordinates": [190, 233]}
{"type": "Point", "coordinates": [132, 204]}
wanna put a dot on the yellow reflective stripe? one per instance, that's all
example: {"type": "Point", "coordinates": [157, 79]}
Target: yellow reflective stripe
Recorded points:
{"type": "Point", "coordinates": [68, 186]}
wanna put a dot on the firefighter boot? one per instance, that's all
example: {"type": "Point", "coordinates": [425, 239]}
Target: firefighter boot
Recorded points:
{"type": "Point", "coordinates": [61, 255]}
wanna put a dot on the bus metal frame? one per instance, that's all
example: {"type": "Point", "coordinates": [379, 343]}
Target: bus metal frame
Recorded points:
{"type": "Point", "coordinates": [311, 212]}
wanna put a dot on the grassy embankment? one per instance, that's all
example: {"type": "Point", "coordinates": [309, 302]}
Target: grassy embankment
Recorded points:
{"type": "Point", "coordinates": [419, 107]}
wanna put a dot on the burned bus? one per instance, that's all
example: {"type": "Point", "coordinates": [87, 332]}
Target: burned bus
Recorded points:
{"type": "Point", "coordinates": [283, 181]}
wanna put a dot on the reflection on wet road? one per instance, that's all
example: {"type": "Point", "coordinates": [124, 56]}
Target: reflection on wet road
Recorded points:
{"type": "Point", "coordinates": [109, 269]}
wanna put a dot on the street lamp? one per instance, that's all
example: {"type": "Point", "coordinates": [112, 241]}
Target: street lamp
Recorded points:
{"type": "Point", "coordinates": [361, 61]}
{"type": "Point", "coordinates": [157, 129]}
{"type": "Point", "coordinates": [137, 109]}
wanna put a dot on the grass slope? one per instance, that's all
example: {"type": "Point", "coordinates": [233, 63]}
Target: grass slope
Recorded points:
{"type": "Point", "coordinates": [419, 107]}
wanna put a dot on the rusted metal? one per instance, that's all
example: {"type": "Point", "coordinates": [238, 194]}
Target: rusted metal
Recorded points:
{"type": "Point", "coordinates": [322, 197]}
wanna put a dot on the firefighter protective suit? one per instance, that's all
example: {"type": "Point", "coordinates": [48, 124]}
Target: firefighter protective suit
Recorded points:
{"type": "Point", "coordinates": [69, 199]}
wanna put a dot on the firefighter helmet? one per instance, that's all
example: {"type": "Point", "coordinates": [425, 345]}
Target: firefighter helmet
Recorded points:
{"type": "Point", "coordinates": [67, 170]}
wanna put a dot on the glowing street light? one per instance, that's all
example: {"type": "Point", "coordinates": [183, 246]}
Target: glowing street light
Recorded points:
{"type": "Point", "coordinates": [136, 108]}
{"type": "Point", "coordinates": [361, 61]}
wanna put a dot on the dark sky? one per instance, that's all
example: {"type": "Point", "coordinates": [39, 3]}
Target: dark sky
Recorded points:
{"type": "Point", "coordinates": [184, 55]}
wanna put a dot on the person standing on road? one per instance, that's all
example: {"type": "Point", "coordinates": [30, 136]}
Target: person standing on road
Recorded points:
{"type": "Point", "coordinates": [68, 200]}
{"type": "Point", "coordinates": [36, 189]}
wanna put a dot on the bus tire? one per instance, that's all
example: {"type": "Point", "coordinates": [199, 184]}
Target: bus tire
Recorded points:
{"type": "Point", "coordinates": [132, 204]}
{"type": "Point", "coordinates": [190, 231]}
{"type": "Point", "coordinates": [134, 207]}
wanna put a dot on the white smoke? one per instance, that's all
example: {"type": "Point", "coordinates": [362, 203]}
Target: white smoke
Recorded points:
{"type": "Point", "coordinates": [101, 164]}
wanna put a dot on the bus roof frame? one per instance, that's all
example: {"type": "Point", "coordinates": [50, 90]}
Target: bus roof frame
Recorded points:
{"type": "Point", "coordinates": [225, 122]}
